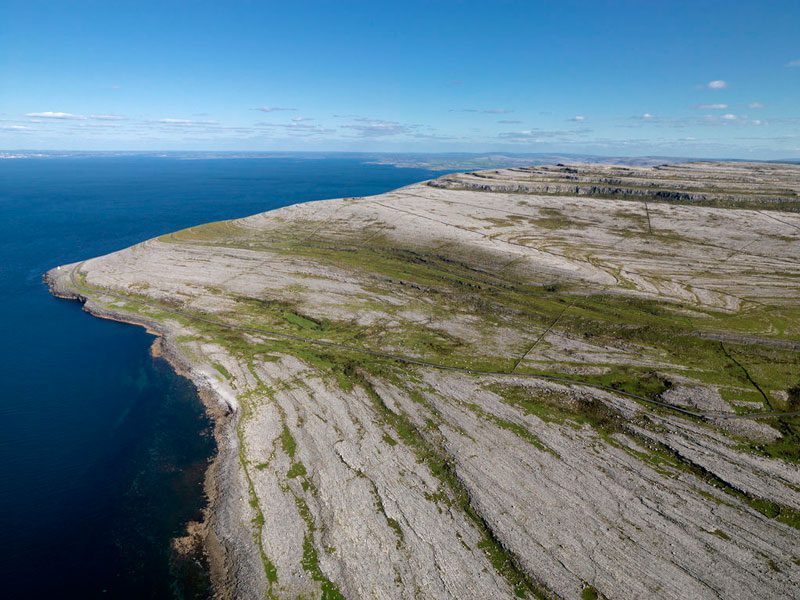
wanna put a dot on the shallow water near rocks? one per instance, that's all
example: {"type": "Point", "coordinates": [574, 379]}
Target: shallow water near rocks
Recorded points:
{"type": "Point", "coordinates": [103, 448]}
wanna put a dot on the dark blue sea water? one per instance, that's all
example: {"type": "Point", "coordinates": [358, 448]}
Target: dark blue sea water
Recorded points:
{"type": "Point", "coordinates": [103, 448]}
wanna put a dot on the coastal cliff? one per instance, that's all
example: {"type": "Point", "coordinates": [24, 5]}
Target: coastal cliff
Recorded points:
{"type": "Point", "coordinates": [532, 382]}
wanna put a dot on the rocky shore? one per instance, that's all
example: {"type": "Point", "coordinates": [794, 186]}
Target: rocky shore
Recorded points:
{"type": "Point", "coordinates": [564, 381]}
{"type": "Point", "coordinates": [218, 537]}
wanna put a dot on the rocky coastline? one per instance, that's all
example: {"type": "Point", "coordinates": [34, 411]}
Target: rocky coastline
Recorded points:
{"type": "Point", "coordinates": [477, 387]}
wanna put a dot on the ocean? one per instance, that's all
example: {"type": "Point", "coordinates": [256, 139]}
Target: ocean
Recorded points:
{"type": "Point", "coordinates": [102, 447]}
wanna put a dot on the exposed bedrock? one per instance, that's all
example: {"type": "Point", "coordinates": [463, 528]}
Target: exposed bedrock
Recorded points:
{"type": "Point", "coordinates": [555, 381]}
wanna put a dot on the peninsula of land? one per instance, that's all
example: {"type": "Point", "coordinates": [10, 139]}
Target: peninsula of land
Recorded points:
{"type": "Point", "coordinates": [556, 381]}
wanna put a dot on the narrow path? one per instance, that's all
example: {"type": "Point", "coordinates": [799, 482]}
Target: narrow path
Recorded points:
{"type": "Point", "coordinates": [647, 212]}
{"type": "Point", "coordinates": [774, 218]}
{"type": "Point", "coordinates": [544, 333]}
{"type": "Point", "coordinates": [746, 374]}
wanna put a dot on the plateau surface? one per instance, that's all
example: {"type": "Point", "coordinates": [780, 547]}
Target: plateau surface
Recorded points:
{"type": "Point", "coordinates": [544, 381]}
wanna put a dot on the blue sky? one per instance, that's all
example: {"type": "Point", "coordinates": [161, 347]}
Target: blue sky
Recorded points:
{"type": "Point", "coordinates": [700, 78]}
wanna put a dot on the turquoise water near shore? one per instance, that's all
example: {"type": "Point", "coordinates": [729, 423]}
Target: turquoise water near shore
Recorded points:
{"type": "Point", "coordinates": [102, 447]}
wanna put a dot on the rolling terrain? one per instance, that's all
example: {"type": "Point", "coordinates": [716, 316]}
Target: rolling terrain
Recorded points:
{"type": "Point", "coordinates": [553, 381]}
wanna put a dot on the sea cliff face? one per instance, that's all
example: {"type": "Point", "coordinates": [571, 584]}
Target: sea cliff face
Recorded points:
{"type": "Point", "coordinates": [520, 382]}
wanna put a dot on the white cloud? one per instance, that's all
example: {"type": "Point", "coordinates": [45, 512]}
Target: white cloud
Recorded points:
{"type": "Point", "coordinates": [717, 84]}
{"type": "Point", "coordinates": [378, 128]}
{"type": "Point", "coordinates": [578, 119]}
{"type": "Point", "coordinates": [712, 106]}
{"type": "Point", "coordinates": [107, 117]}
{"type": "Point", "coordinates": [14, 128]}
{"type": "Point", "coordinates": [510, 121]}
{"type": "Point", "coordinates": [731, 119]}
{"type": "Point", "coordinates": [648, 117]}
{"type": "Point", "coordinates": [301, 119]}
{"type": "Point", "coordinates": [297, 127]}
{"type": "Point", "coordinates": [793, 64]}
{"type": "Point", "coordinates": [186, 122]}
{"type": "Point", "coordinates": [488, 111]}
{"type": "Point", "coordinates": [270, 109]}
{"type": "Point", "coordinates": [55, 115]}
{"type": "Point", "coordinates": [539, 135]}
{"type": "Point", "coordinates": [526, 135]}
{"type": "Point", "coordinates": [755, 105]}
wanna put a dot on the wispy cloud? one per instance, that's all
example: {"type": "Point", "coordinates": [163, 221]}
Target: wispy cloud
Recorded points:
{"type": "Point", "coordinates": [704, 121]}
{"type": "Point", "coordinates": [488, 111]}
{"type": "Point", "coordinates": [271, 109]}
{"type": "Point", "coordinates": [793, 64]}
{"type": "Point", "coordinates": [717, 84]}
{"type": "Point", "coordinates": [365, 127]}
{"type": "Point", "coordinates": [509, 122]}
{"type": "Point", "coordinates": [528, 136]}
{"type": "Point", "coordinates": [55, 115]}
{"type": "Point", "coordinates": [186, 122]}
{"type": "Point", "coordinates": [40, 117]}
{"type": "Point", "coordinates": [108, 117]}
{"type": "Point", "coordinates": [436, 137]}
{"type": "Point", "coordinates": [297, 128]}
{"type": "Point", "coordinates": [732, 119]}
{"type": "Point", "coordinates": [755, 105]}
{"type": "Point", "coordinates": [578, 119]}
{"type": "Point", "coordinates": [711, 106]}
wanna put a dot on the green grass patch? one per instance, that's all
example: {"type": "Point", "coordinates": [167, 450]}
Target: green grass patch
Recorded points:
{"type": "Point", "coordinates": [721, 534]}
{"type": "Point", "coordinates": [297, 469]}
{"type": "Point", "coordinates": [310, 562]}
{"type": "Point", "coordinates": [559, 407]}
{"type": "Point", "coordinates": [589, 593]}
{"type": "Point", "coordinates": [301, 321]}
{"type": "Point", "coordinates": [288, 443]}
{"type": "Point", "coordinates": [223, 371]}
